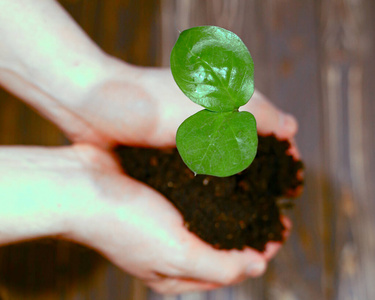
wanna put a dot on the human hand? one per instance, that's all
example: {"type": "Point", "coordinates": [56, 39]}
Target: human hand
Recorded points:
{"type": "Point", "coordinates": [143, 106]}
{"type": "Point", "coordinates": [99, 100]}
{"type": "Point", "coordinates": [80, 193]}
{"type": "Point", "coordinates": [141, 232]}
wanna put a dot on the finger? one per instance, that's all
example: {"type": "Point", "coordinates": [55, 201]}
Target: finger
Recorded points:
{"type": "Point", "coordinates": [270, 119]}
{"type": "Point", "coordinates": [288, 226]}
{"type": "Point", "coordinates": [272, 248]}
{"type": "Point", "coordinates": [293, 149]}
{"type": "Point", "coordinates": [221, 266]}
{"type": "Point", "coordinates": [297, 191]}
{"type": "Point", "coordinates": [173, 286]}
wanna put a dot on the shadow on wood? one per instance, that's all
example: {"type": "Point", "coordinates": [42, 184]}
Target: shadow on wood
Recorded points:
{"type": "Point", "coordinates": [44, 265]}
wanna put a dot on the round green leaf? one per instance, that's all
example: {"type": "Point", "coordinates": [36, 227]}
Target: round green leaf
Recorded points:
{"type": "Point", "coordinates": [218, 144]}
{"type": "Point", "coordinates": [213, 67]}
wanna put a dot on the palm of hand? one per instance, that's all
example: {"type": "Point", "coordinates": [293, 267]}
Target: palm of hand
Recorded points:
{"type": "Point", "coordinates": [141, 232]}
{"type": "Point", "coordinates": [137, 228]}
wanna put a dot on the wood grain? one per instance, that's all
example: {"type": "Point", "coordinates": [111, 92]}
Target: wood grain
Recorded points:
{"type": "Point", "coordinates": [346, 56]}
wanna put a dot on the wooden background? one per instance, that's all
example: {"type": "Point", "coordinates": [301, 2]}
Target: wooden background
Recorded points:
{"type": "Point", "coordinates": [314, 59]}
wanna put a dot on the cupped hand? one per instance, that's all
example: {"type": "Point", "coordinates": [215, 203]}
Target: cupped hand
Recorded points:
{"type": "Point", "coordinates": [143, 106]}
{"type": "Point", "coordinates": [134, 226]}
{"type": "Point", "coordinates": [141, 232]}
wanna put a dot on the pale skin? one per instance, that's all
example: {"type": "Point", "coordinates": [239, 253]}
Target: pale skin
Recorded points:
{"type": "Point", "coordinates": [79, 192]}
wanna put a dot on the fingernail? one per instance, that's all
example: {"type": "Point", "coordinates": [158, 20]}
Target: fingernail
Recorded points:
{"type": "Point", "coordinates": [256, 269]}
{"type": "Point", "coordinates": [289, 123]}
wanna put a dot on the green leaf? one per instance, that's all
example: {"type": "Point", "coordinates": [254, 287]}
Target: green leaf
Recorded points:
{"type": "Point", "coordinates": [219, 144]}
{"type": "Point", "coordinates": [213, 67]}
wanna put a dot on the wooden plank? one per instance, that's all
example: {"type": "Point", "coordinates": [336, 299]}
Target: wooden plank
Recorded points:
{"type": "Point", "coordinates": [346, 47]}
{"type": "Point", "coordinates": [21, 125]}
{"type": "Point", "coordinates": [293, 85]}
{"type": "Point", "coordinates": [9, 110]}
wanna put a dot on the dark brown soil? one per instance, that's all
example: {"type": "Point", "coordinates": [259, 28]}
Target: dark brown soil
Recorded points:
{"type": "Point", "coordinates": [232, 212]}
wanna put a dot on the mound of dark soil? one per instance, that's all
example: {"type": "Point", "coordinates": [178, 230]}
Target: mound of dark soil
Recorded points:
{"type": "Point", "coordinates": [232, 212]}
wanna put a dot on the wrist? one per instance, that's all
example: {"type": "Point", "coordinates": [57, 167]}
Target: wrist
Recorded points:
{"type": "Point", "coordinates": [52, 59]}
{"type": "Point", "coordinates": [41, 192]}
{"type": "Point", "coordinates": [90, 197]}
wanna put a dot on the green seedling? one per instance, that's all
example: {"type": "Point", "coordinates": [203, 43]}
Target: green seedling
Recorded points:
{"type": "Point", "coordinates": [214, 69]}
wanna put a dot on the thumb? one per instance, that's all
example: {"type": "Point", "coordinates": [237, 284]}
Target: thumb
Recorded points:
{"type": "Point", "coordinates": [270, 119]}
{"type": "Point", "coordinates": [223, 267]}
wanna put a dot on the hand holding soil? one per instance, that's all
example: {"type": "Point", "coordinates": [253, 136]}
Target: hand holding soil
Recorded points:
{"type": "Point", "coordinates": [140, 231]}
{"type": "Point", "coordinates": [100, 102]}
{"type": "Point", "coordinates": [143, 107]}
{"type": "Point", "coordinates": [158, 232]}
{"type": "Point", "coordinates": [132, 225]}
{"type": "Point", "coordinates": [143, 233]}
